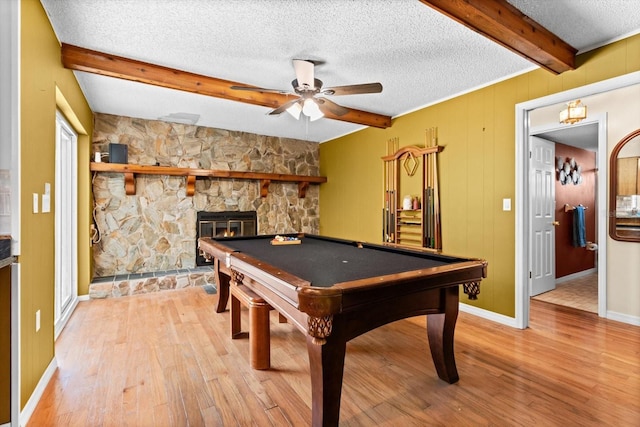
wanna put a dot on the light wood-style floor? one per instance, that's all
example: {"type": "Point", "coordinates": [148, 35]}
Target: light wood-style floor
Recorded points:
{"type": "Point", "coordinates": [580, 293]}
{"type": "Point", "coordinates": [166, 359]}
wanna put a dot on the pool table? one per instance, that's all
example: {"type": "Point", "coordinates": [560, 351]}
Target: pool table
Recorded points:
{"type": "Point", "coordinates": [334, 290]}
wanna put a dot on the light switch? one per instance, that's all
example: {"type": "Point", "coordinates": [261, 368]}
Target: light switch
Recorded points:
{"type": "Point", "coordinates": [35, 202]}
{"type": "Point", "coordinates": [46, 203]}
{"type": "Point", "coordinates": [506, 204]}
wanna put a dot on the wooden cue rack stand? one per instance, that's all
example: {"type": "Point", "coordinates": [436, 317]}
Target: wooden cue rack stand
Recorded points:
{"type": "Point", "coordinates": [419, 226]}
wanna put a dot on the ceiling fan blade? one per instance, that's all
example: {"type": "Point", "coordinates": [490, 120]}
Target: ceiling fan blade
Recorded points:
{"type": "Point", "coordinates": [353, 89]}
{"type": "Point", "coordinates": [259, 89]}
{"type": "Point", "coordinates": [283, 107]}
{"type": "Point", "coordinates": [325, 105]}
{"type": "Point", "coordinates": [304, 72]}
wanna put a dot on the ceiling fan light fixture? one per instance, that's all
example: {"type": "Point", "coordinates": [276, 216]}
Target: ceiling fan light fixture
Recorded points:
{"type": "Point", "coordinates": [295, 110]}
{"type": "Point", "coordinates": [311, 110]}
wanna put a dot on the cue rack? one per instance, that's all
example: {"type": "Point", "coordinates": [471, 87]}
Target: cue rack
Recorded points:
{"type": "Point", "coordinates": [419, 226]}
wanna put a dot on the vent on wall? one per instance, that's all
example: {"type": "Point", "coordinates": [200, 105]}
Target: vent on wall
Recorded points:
{"type": "Point", "coordinates": [182, 118]}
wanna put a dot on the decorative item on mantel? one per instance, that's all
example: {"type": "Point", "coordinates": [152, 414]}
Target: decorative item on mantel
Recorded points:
{"type": "Point", "coordinates": [569, 172]}
{"type": "Point", "coordinates": [573, 113]}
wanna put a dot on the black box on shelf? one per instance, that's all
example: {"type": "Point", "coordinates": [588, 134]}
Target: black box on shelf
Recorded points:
{"type": "Point", "coordinates": [5, 247]}
{"type": "Point", "coordinates": [118, 153]}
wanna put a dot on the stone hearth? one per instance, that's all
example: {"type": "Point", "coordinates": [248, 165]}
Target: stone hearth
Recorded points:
{"type": "Point", "coordinates": [142, 283]}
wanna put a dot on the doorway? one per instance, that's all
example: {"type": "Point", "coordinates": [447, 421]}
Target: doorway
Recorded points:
{"type": "Point", "coordinates": [66, 223]}
{"type": "Point", "coordinates": [568, 278]}
{"type": "Point", "coordinates": [522, 149]}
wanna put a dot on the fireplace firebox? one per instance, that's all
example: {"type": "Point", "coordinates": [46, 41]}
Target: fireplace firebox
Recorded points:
{"type": "Point", "coordinates": [223, 224]}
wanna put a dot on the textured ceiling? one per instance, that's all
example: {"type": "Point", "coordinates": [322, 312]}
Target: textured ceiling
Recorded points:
{"type": "Point", "coordinates": [420, 56]}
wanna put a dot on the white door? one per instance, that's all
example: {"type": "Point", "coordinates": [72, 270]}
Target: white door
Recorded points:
{"type": "Point", "coordinates": [542, 203]}
{"type": "Point", "coordinates": [66, 287]}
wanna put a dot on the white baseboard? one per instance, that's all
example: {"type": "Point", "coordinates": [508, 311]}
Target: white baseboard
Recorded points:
{"type": "Point", "coordinates": [83, 298]}
{"type": "Point", "coordinates": [577, 275]}
{"type": "Point", "coordinates": [28, 409]}
{"type": "Point", "coordinates": [5, 425]}
{"type": "Point", "coordinates": [510, 321]}
{"type": "Point", "coordinates": [489, 315]}
{"type": "Point", "coordinates": [624, 318]}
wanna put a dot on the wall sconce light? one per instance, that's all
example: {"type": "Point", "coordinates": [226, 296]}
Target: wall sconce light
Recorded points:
{"type": "Point", "coordinates": [573, 113]}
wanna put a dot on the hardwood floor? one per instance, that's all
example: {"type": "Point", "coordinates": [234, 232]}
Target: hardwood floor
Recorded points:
{"type": "Point", "coordinates": [166, 359]}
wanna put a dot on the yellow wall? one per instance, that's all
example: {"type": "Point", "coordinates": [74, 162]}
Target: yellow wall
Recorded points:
{"type": "Point", "coordinates": [477, 167]}
{"type": "Point", "coordinates": [41, 72]}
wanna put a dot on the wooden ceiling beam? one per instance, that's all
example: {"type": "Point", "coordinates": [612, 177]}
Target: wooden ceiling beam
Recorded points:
{"type": "Point", "coordinates": [91, 61]}
{"type": "Point", "coordinates": [507, 26]}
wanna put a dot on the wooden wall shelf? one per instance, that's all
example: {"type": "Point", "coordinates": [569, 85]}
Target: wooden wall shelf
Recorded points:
{"type": "Point", "coordinates": [265, 179]}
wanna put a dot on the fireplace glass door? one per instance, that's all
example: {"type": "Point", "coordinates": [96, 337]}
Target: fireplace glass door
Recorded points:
{"type": "Point", "coordinates": [223, 224]}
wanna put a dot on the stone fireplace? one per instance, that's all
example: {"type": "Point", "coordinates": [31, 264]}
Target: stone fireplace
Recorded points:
{"type": "Point", "coordinates": [155, 229]}
{"type": "Point", "coordinates": [223, 224]}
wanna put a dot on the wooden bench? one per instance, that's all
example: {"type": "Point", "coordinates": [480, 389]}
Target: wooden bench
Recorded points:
{"type": "Point", "coordinates": [260, 335]}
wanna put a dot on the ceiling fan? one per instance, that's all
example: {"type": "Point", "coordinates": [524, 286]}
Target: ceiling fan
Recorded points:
{"type": "Point", "coordinates": [308, 89]}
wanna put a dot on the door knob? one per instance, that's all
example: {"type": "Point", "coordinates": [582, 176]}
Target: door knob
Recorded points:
{"type": "Point", "coordinates": [555, 223]}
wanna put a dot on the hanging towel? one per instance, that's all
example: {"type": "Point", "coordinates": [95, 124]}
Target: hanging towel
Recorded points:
{"type": "Point", "coordinates": [579, 233]}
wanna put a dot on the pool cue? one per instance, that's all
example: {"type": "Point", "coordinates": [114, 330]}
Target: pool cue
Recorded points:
{"type": "Point", "coordinates": [437, 225]}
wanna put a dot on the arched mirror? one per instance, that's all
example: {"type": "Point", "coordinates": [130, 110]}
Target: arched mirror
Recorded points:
{"type": "Point", "coordinates": [624, 193]}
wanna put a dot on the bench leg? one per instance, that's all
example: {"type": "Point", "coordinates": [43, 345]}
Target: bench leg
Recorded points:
{"type": "Point", "coordinates": [259, 336]}
{"type": "Point", "coordinates": [259, 332]}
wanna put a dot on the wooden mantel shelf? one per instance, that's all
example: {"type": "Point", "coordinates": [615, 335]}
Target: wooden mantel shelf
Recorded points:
{"type": "Point", "coordinates": [265, 179]}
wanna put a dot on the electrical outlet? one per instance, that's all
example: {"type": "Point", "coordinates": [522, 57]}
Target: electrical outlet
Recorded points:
{"type": "Point", "coordinates": [37, 320]}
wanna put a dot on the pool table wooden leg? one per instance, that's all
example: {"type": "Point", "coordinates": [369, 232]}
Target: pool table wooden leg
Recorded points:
{"type": "Point", "coordinates": [440, 329]}
{"type": "Point", "coordinates": [236, 321]}
{"type": "Point", "coordinates": [222, 287]}
{"type": "Point", "coordinates": [327, 367]}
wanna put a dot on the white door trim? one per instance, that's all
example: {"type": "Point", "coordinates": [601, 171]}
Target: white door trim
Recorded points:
{"type": "Point", "coordinates": [66, 208]}
{"type": "Point", "coordinates": [522, 190]}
